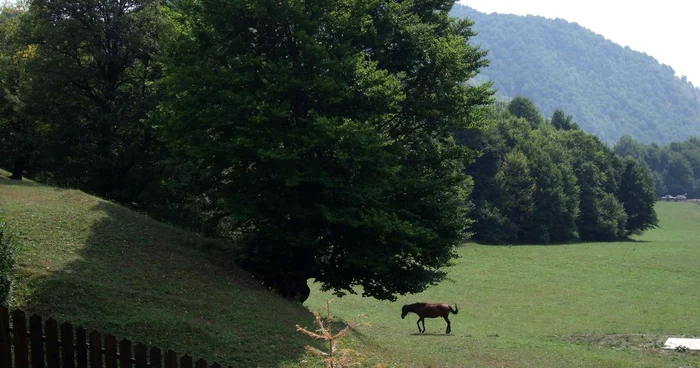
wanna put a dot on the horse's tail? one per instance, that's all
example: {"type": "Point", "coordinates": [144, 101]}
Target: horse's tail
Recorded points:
{"type": "Point", "coordinates": [454, 311]}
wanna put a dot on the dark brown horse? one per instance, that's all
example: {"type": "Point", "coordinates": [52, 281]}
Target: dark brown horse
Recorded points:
{"type": "Point", "coordinates": [428, 310]}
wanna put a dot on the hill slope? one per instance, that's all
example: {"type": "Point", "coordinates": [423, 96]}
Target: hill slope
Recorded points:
{"type": "Point", "coordinates": [102, 266]}
{"type": "Point", "coordinates": [599, 304]}
{"type": "Point", "coordinates": [609, 89]}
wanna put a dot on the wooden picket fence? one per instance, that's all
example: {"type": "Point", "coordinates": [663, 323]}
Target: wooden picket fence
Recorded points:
{"type": "Point", "coordinates": [41, 347]}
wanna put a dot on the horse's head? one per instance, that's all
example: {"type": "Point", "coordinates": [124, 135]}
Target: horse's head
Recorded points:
{"type": "Point", "coordinates": [404, 311]}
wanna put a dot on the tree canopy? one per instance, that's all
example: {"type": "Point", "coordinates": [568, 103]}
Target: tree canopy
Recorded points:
{"type": "Point", "coordinates": [550, 182]}
{"type": "Point", "coordinates": [323, 129]}
{"type": "Point", "coordinates": [91, 91]}
{"type": "Point", "coordinates": [674, 167]}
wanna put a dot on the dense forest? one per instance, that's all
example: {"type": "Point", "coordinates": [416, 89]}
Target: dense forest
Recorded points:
{"type": "Point", "coordinates": [544, 180]}
{"type": "Point", "coordinates": [341, 141]}
{"type": "Point", "coordinates": [675, 166]}
{"type": "Point", "coordinates": [611, 90]}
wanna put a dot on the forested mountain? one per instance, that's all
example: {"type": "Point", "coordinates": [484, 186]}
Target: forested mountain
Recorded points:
{"type": "Point", "coordinates": [610, 90]}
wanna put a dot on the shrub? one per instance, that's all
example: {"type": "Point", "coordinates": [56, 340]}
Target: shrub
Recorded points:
{"type": "Point", "coordinates": [334, 357]}
{"type": "Point", "coordinates": [7, 265]}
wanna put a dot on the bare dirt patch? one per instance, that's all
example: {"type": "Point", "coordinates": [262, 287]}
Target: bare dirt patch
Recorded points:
{"type": "Point", "coordinates": [620, 341]}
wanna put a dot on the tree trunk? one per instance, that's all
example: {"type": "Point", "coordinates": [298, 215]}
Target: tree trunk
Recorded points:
{"type": "Point", "coordinates": [20, 165]}
{"type": "Point", "coordinates": [290, 288]}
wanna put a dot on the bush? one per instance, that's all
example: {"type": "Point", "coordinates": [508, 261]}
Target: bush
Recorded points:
{"type": "Point", "coordinates": [7, 265]}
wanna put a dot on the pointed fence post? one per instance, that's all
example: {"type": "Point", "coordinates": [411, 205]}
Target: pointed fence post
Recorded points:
{"type": "Point", "coordinates": [5, 344]}
{"type": "Point", "coordinates": [186, 361]}
{"type": "Point", "coordinates": [170, 359]}
{"type": "Point", "coordinates": [67, 350]}
{"type": "Point", "coordinates": [201, 363]}
{"type": "Point", "coordinates": [21, 341]}
{"type": "Point", "coordinates": [95, 350]}
{"type": "Point", "coordinates": [156, 358]}
{"type": "Point", "coordinates": [52, 358]}
{"type": "Point", "coordinates": [81, 347]}
{"type": "Point", "coordinates": [37, 341]}
{"type": "Point", "coordinates": [110, 351]}
{"type": "Point", "coordinates": [125, 354]}
{"type": "Point", "coordinates": [141, 354]}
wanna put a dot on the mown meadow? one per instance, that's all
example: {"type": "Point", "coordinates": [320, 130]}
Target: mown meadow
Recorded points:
{"type": "Point", "coordinates": [95, 263]}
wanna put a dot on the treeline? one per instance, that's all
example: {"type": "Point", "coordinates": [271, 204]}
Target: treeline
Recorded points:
{"type": "Point", "coordinates": [546, 181]}
{"type": "Point", "coordinates": [675, 166]}
{"type": "Point", "coordinates": [316, 136]}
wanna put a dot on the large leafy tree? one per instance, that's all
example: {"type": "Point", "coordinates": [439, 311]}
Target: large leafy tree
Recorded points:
{"type": "Point", "coordinates": [597, 172]}
{"type": "Point", "coordinates": [638, 196]}
{"type": "Point", "coordinates": [321, 131]}
{"type": "Point", "coordinates": [557, 193]}
{"type": "Point", "coordinates": [515, 194]}
{"type": "Point", "coordinates": [678, 174]}
{"type": "Point", "coordinates": [17, 131]}
{"type": "Point", "coordinates": [562, 121]}
{"type": "Point", "coordinates": [523, 107]}
{"type": "Point", "coordinates": [92, 91]}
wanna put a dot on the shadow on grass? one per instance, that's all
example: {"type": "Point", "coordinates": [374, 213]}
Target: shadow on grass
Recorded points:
{"type": "Point", "coordinates": [429, 334]}
{"type": "Point", "coordinates": [5, 180]}
{"type": "Point", "coordinates": [151, 283]}
{"type": "Point", "coordinates": [570, 243]}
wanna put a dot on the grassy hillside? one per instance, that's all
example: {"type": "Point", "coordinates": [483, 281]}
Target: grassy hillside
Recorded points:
{"type": "Point", "coordinates": [102, 266]}
{"type": "Point", "coordinates": [582, 305]}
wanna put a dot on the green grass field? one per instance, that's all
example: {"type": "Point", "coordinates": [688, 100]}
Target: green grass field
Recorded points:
{"type": "Point", "coordinates": [99, 265]}
{"type": "Point", "coordinates": [581, 305]}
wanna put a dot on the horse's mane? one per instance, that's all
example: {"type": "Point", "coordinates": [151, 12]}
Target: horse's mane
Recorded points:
{"type": "Point", "coordinates": [419, 304]}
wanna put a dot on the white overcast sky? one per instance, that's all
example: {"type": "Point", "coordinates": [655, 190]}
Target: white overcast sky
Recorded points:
{"type": "Point", "coordinates": [667, 30]}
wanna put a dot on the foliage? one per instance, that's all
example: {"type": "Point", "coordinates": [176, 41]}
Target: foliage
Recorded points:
{"type": "Point", "coordinates": [611, 90]}
{"type": "Point", "coordinates": [557, 194]}
{"type": "Point", "coordinates": [638, 196]}
{"type": "Point", "coordinates": [91, 91]}
{"type": "Point", "coordinates": [522, 107]}
{"type": "Point", "coordinates": [675, 167]}
{"type": "Point", "coordinates": [7, 264]}
{"type": "Point", "coordinates": [553, 183]}
{"type": "Point", "coordinates": [322, 131]}
{"type": "Point", "coordinates": [516, 190]}
{"type": "Point", "coordinates": [17, 131]}
{"type": "Point", "coordinates": [562, 121]}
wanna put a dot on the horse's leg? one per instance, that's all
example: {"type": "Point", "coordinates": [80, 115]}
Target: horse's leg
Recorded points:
{"type": "Point", "coordinates": [418, 324]}
{"type": "Point", "coordinates": [423, 319]}
{"type": "Point", "coordinates": [449, 328]}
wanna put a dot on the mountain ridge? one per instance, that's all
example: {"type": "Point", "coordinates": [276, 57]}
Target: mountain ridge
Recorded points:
{"type": "Point", "coordinates": [611, 90]}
